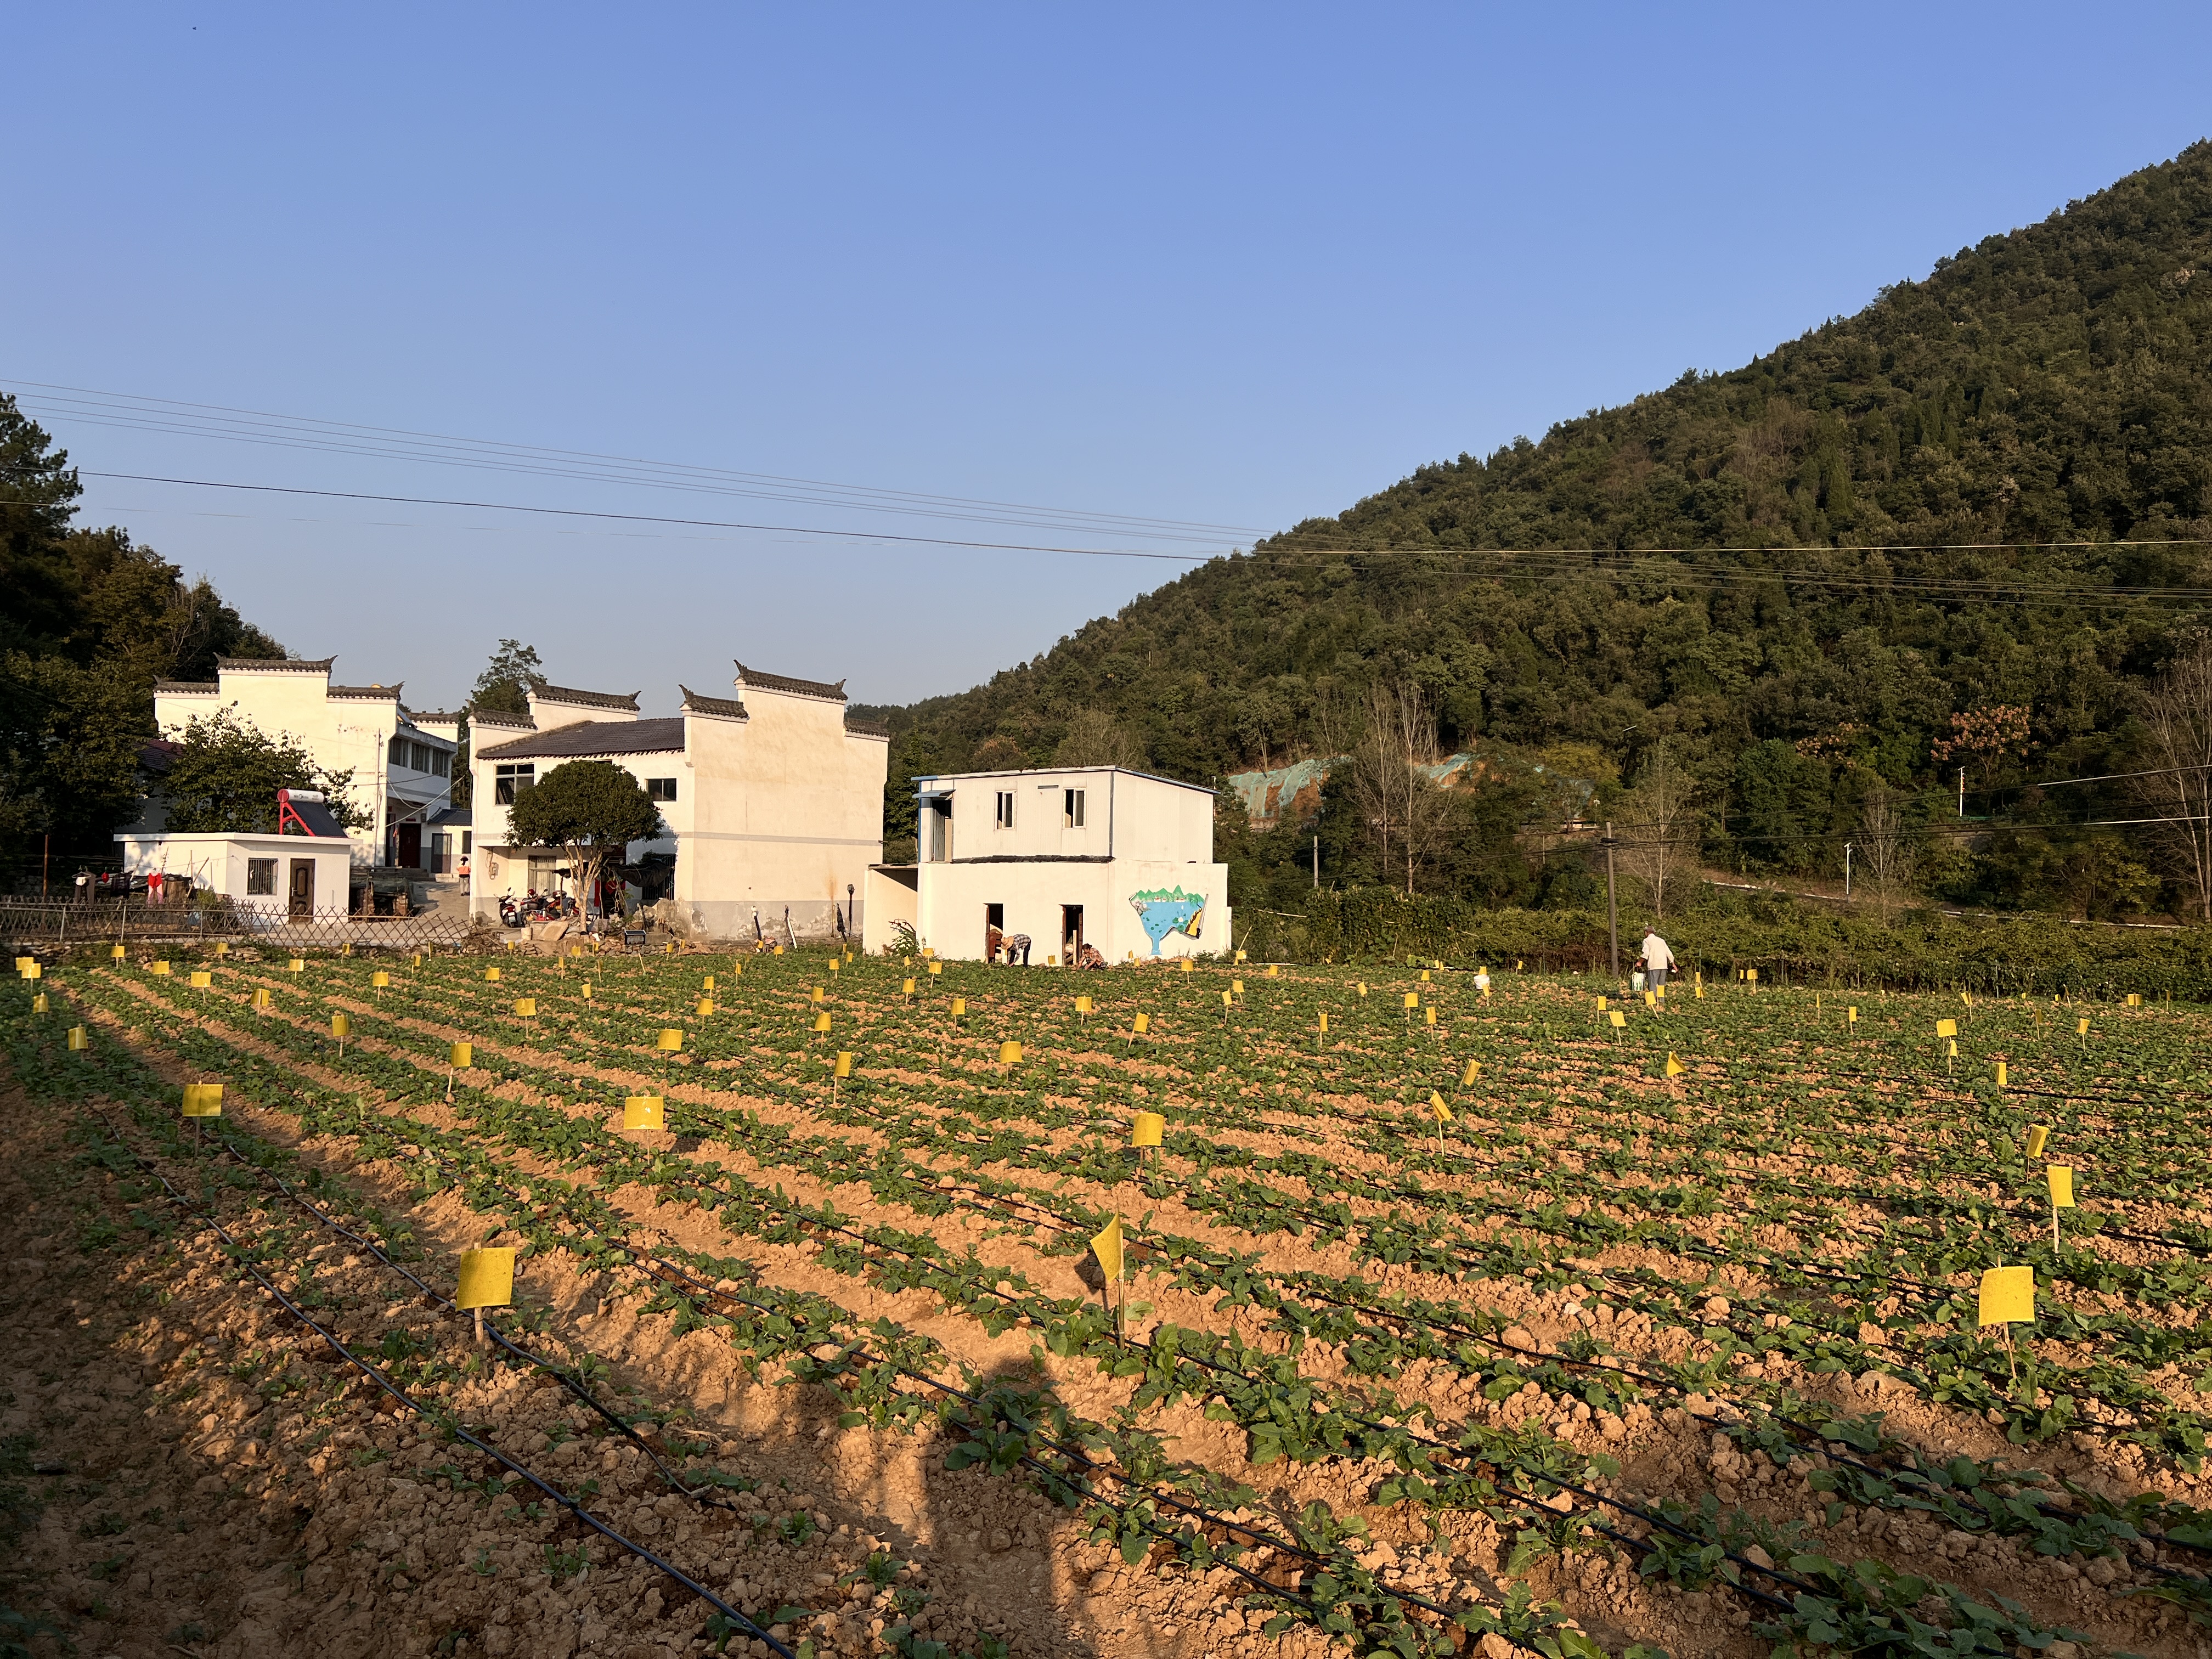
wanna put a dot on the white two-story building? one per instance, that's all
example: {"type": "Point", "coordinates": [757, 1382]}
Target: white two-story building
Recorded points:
{"type": "Point", "coordinates": [403, 774]}
{"type": "Point", "coordinates": [773, 801]}
{"type": "Point", "coordinates": [1097, 855]}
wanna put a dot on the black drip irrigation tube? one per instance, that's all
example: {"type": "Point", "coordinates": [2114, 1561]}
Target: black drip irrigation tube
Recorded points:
{"type": "Point", "coordinates": [738, 1621]}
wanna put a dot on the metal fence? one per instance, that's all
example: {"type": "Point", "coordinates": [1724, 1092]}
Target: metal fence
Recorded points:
{"type": "Point", "coordinates": [60, 924]}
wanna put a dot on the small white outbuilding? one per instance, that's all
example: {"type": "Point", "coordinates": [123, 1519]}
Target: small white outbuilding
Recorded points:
{"type": "Point", "coordinates": [1102, 856]}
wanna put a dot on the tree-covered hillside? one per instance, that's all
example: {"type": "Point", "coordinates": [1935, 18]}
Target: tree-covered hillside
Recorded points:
{"type": "Point", "coordinates": [1962, 527]}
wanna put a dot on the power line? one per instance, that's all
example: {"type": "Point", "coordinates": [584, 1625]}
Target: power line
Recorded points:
{"type": "Point", "coordinates": [227, 424]}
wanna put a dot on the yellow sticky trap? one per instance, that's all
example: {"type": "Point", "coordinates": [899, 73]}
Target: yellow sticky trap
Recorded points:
{"type": "Point", "coordinates": [778, 949]}
{"type": "Point", "coordinates": [1438, 1110]}
{"type": "Point", "coordinates": [526, 1007]}
{"type": "Point", "coordinates": [341, 1025]}
{"type": "Point", "coordinates": [419, 960]}
{"type": "Point", "coordinates": [487, 1279]}
{"type": "Point", "coordinates": [1362, 987]}
{"type": "Point", "coordinates": [1429, 1015]}
{"type": "Point", "coordinates": [1966, 997]}
{"type": "Point", "coordinates": [24, 964]}
{"type": "Point", "coordinates": [2002, 1074]}
{"type": "Point", "coordinates": [935, 967]}
{"type": "Point", "coordinates": [2135, 999]}
{"type": "Point", "coordinates": [39, 1004]}
{"type": "Point", "coordinates": [1424, 977]}
{"type": "Point", "coordinates": [1107, 1247]}
{"type": "Point", "coordinates": [2039, 1137]}
{"type": "Point", "coordinates": [1238, 986]}
{"type": "Point", "coordinates": [906, 988]}
{"type": "Point", "coordinates": [960, 1007]}
{"type": "Point", "coordinates": [587, 990]}
{"type": "Point", "coordinates": [1674, 1067]}
{"type": "Point", "coordinates": [1751, 975]}
{"type": "Point", "coordinates": [491, 974]}
{"type": "Point", "coordinates": [1412, 999]}
{"type": "Point", "coordinates": [2007, 1296]}
{"type": "Point", "coordinates": [1227, 1000]}
{"type": "Point", "coordinates": [381, 980]}
{"type": "Point", "coordinates": [462, 1056]}
{"type": "Point", "coordinates": [296, 965]}
{"type": "Point", "coordinates": [1142, 1024]}
{"type": "Point", "coordinates": [201, 979]}
{"type": "Point", "coordinates": [669, 1040]}
{"type": "Point", "coordinates": [2081, 1025]}
{"type": "Point", "coordinates": [1601, 1005]}
{"type": "Point", "coordinates": [822, 1020]}
{"type": "Point", "coordinates": [261, 997]}
{"type": "Point", "coordinates": [117, 952]}
{"type": "Point", "coordinates": [844, 1067]}
{"type": "Point", "coordinates": [738, 970]}
{"type": "Point", "coordinates": [642, 1112]}
{"type": "Point", "coordinates": [1324, 1019]}
{"type": "Point", "coordinates": [707, 984]}
{"type": "Point", "coordinates": [1851, 1016]}
{"type": "Point", "coordinates": [1947, 1028]}
{"type": "Point", "coordinates": [2061, 1176]}
{"type": "Point", "coordinates": [1651, 999]}
{"type": "Point", "coordinates": [820, 994]}
{"type": "Point", "coordinates": [1240, 956]}
{"type": "Point", "coordinates": [1620, 1020]}
{"type": "Point", "coordinates": [1474, 1071]}
{"type": "Point", "coordinates": [1275, 972]}
{"type": "Point", "coordinates": [1951, 1049]}
{"type": "Point", "coordinates": [202, 1100]}
{"type": "Point", "coordinates": [1083, 1005]}
{"type": "Point", "coordinates": [159, 967]}
{"type": "Point", "coordinates": [1699, 991]}
{"type": "Point", "coordinates": [1147, 1129]}
{"type": "Point", "coordinates": [79, 1038]}
{"type": "Point", "coordinates": [1185, 964]}
{"type": "Point", "coordinates": [706, 1007]}
{"type": "Point", "coordinates": [1010, 1054]}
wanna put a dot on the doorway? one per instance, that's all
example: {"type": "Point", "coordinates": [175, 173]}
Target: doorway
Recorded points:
{"type": "Point", "coordinates": [303, 887]}
{"type": "Point", "coordinates": [994, 919]}
{"type": "Point", "coordinates": [1071, 932]}
{"type": "Point", "coordinates": [410, 847]}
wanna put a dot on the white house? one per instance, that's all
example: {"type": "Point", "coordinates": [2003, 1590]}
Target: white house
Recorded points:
{"type": "Point", "coordinates": [773, 800]}
{"type": "Point", "coordinates": [402, 773]}
{"type": "Point", "coordinates": [1097, 855]}
{"type": "Point", "coordinates": [304, 869]}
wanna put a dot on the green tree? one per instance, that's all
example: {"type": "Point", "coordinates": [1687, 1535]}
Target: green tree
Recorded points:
{"type": "Point", "coordinates": [590, 809]}
{"type": "Point", "coordinates": [226, 772]}
{"type": "Point", "coordinates": [503, 688]}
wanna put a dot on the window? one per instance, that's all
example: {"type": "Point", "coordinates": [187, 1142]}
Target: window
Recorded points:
{"type": "Point", "coordinates": [511, 781]}
{"type": "Point", "coordinates": [467, 837]}
{"type": "Point", "coordinates": [261, 877]}
{"type": "Point", "coordinates": [441, 763]}
{"type": "Point", "coordinates": [940, 829]}
{"type": "Point", "coordinates": [396, 752]}
{"type": "Point", "coordinates": [441, 853]}
{"type": "Point", "coordinates": [1072, 816]}
{"type": "Point", "coordinates": [660, 788]}
{"type": "Point", "coordinates": [1005, 818]}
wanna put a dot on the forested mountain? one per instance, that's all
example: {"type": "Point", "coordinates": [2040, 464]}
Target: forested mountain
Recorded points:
{"type": "Point", "coordinates": [1963, 527]}
{"type": "Point", "coordinates": [89, 621]}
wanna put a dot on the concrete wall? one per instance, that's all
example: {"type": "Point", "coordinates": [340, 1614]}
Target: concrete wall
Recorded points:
{"type": "Point", "coordinates": [887, 899]}
{"type": "Point", "coordinates": [950, 907]}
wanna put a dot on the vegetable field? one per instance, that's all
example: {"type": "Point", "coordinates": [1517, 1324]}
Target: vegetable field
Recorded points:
{"type": "Point", "coordinates": [1446, 1321]}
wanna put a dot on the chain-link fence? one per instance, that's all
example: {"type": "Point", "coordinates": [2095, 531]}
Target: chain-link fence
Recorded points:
{"type": "Point", "coordinates": [58, 924]}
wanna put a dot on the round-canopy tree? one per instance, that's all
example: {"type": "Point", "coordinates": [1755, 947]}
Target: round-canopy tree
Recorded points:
{"type": "Point", "coordinates": [590, 809]}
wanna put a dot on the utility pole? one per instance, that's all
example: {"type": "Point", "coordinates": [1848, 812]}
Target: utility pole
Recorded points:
{"type": "Point", "coordinates": [1962, 792]}
{"type": "Point", "coordinates": [1612, 912]}
{"type": "Point", "coordinates": [1847, 869]}
{"type": "Point", "coordinates": [1316, 864]}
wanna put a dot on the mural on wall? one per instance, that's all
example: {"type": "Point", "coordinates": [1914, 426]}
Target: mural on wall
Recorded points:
{"type": "Point", "coordinates": [1167, 910]}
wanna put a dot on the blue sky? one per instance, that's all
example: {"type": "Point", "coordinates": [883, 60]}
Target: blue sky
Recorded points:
{"type": "Point", "coordinates": [1233, 266]}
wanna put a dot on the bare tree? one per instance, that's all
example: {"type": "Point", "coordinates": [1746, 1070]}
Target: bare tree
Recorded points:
{"type": "Point", "coordinates": [1399, 800]}
{"type": "Point", "coordinates": [1095, 738]}
{"type": "Point", "coordinates": [2177, 717]}
{"type": "Point", "coordinates": [1892, 860]}
{"type": "Point", "coordinates": [1659, 847]}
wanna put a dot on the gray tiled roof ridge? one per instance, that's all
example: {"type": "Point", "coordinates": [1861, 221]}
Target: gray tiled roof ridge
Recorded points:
{"type": "Point", "coordinates": [660, 735]}
{"type": "Point", "coordinates": [569, 693]}
{"type": "Point", "coordinates": [730, 707]}
{"type": "Point", "coordinates": [768, 682]}
{"type": "Point", "coordinates": [277, 664]}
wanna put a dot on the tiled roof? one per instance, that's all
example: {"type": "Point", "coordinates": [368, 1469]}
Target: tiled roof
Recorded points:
{"type": "Point", "coordinates": [439, 718]}
{"type": "Point", "coordinates": [768, 682]}
{"type": "Point", "coordinates": [584, 699]}
{"type": "Point", "coordinates": [202, 688]}
{"type": "Point", "coordinates": [390, 691]}
{"type": "Point", "coordinates": [276, 665]}
{"type": "Point", "coordinates": [694, 703]}
{"type": "Point", "coordinates": [860, 728]}
{"type": "Point", "coordinates": [500, 717]}
{"type": "Point", "coordinates": [662, 735]}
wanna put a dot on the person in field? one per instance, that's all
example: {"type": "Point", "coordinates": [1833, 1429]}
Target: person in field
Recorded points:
{"type": "Point", "coordinates": [1656, 959]}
